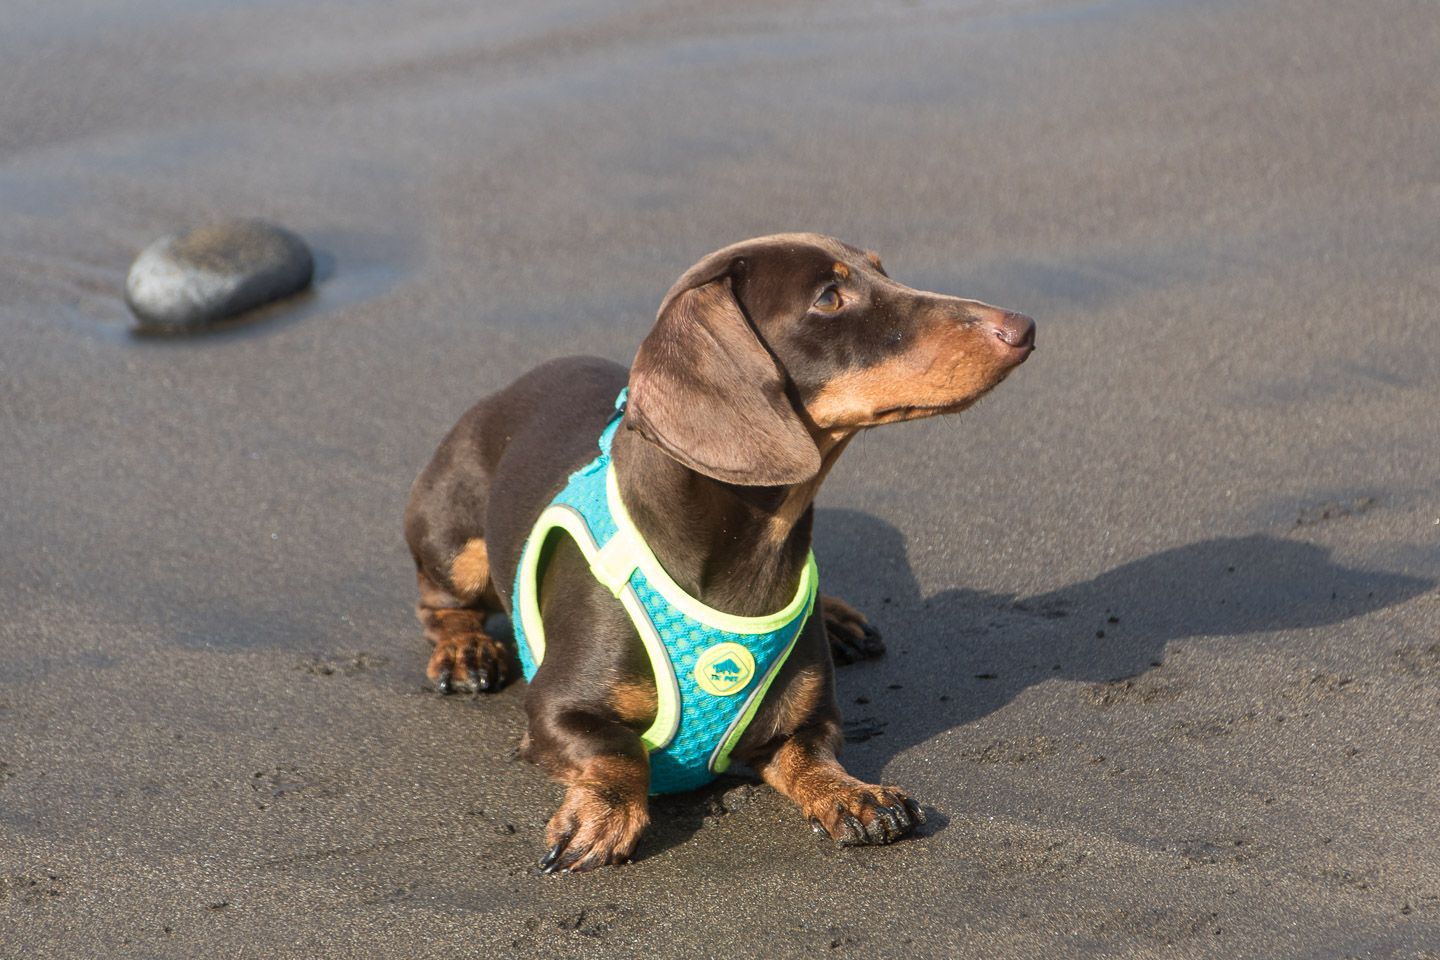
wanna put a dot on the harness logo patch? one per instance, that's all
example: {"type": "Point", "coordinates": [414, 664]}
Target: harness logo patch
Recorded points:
{"type": "Point", "coordinates": [724, 669]}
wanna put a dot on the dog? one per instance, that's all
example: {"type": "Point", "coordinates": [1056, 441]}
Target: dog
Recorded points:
{"type": "Point", "coordinates": [767, 357]}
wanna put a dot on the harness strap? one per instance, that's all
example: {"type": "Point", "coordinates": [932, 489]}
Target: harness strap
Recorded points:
{"type": "Point", "coordinates": [590, 509]}
{"type": "Point", "coordinates": [613, 564]}
{"type": "Point", "coordinates": [667, 688]}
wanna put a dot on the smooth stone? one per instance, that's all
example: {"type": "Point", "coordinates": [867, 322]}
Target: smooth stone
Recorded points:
{"type": "Point", "coordinates": [185, 282]}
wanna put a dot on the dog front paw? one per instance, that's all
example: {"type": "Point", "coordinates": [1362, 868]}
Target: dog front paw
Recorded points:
{"type": "Point", "coordinates": [468, 662]}
{"type": "Point", "coordinates": [852, 638]}
{"type": "Point", "coordinates": [866, 814]}
{"type": "Point", "coordinates": [594, 827]}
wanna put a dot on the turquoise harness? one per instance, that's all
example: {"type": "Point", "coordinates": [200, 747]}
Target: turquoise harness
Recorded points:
{"type": "Point", "coordinates": [712, 669]}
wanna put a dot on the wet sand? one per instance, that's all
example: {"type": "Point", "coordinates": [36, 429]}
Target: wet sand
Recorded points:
{"type": "Point", "coordinates": [1162, 613]}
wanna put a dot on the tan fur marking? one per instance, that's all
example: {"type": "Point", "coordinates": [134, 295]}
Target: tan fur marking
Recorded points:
{"type": "Point", "coordinates": [808, 775]}
{"type": "Point", "coordinates": [621, 778]}
{"type": "Point", "coordinates": [842, 271]}
{"type": "Point", "coordinates": [946, 372]}
{"type": "Point", "coordinates": [604, 813]}
{"type": "Point", "coordinates": [634, 702]}
{"type": "Point", "coordinates": [812, 777]}
{"type": "Point", "coordinates": [470, 570]}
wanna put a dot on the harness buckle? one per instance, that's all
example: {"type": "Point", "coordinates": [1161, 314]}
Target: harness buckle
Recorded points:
{"type": "Point", "coordinates": [613, 564]}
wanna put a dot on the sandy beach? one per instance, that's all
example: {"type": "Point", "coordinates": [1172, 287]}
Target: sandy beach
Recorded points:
{"type": "Point", "coordinates": [1162, 614]}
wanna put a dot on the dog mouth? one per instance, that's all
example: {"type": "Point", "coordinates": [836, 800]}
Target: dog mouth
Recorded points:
{"type": "Point", "coordinates": [921, 411]}
{"type": "Point", "coordinates": [1019, 353]}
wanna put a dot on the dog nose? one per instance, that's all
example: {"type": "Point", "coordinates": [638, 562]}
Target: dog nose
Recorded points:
{"type": "Point", "coordinates": [1015, 329]}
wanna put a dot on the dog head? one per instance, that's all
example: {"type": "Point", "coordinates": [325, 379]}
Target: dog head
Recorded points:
{"type": "Point", "coordinates": [771, 350]}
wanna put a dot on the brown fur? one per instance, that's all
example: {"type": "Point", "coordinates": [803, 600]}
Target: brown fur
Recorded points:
{"type": "Point", "coordinates": [464, 656]}
{"type": "Point", "coordinates": [801, 699]}
{"type": "Point", "coordinates": [741, 399]}
{"type": "Point", "coordinates": [851, 636]}
{"type": "Point", "coordinates": [849, 810]}
{"type": "Point", "coordinates": [842, 613]}
{"type": "Point", "coordinates": [602, 817]}
{"type": "Point", "coordinates": [799, 498]}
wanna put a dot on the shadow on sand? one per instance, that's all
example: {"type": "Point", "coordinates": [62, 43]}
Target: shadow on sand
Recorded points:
{"type": "Point", "coordinates": [959, 654]}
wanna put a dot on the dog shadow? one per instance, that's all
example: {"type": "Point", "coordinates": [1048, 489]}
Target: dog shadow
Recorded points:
{"type": "Point", "coordinates": [960, 654]}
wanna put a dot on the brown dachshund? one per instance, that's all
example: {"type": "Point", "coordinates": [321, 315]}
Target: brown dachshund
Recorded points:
{"type": "Point", "coordinates": [766, 358]}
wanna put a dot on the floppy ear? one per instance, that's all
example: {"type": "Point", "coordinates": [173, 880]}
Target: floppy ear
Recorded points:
{"type": "Point", "coordinates": [706, 391]}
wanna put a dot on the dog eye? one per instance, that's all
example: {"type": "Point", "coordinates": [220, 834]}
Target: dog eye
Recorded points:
{"type": "Point", "coordinates": [829, 300]}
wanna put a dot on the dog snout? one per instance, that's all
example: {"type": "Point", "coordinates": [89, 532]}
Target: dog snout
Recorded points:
{"type": "Point", "coordinates": [1013, 329]}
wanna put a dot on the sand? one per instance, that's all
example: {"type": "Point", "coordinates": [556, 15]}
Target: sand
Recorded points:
{"type": "Point", "coordinates": [1162, 613]}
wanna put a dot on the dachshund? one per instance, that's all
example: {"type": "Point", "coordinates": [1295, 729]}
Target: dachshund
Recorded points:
{"type": "Point", "coordinates": [767, 357]}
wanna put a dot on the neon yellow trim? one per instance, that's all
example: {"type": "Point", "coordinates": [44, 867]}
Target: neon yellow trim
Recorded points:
{"type": "Point", "coordinates": [551, 518]}
{"type": "Point", "coordinates": [667, 708]}
{"type": "Point", "coordinates": [667, 692]}
{"type": "Point", "coordinates": [720, 762]}
{"type": "Point", "coordinates": [638, 553]}
{"type": "Point", "coordinates": [612, 566]}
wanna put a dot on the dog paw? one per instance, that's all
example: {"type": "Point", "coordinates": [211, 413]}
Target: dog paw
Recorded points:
{"type": "Point", "coordinates": [866, 814]}
{"type": "Point", "coordinates": [852, 638]}
{"type": "Point", "coordinates": [594, 827]}
{"type": "Point", "coordinates": [468, 663]}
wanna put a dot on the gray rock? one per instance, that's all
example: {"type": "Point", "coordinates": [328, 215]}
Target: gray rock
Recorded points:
{"type": "Point", "coordinates": [183, 283]}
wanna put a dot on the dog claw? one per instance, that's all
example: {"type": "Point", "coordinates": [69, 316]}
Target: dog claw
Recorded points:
{"type": "Point", "coordinates": [550, 862]}
{"type": "Point", "coordinates": [871, 815]}
{"type": "Point", "coordinates": [913, 808]}
{"type": "Point", "coordinates": [851, 643]}
{"type": "Point", "coordinates": [854, 831]}
{"type": "Point", "coordinates": [472, 663]}
{"type": "Point", "coordinates": [887, 824]}
{"type": "Point", "coordinates": [578, 861]}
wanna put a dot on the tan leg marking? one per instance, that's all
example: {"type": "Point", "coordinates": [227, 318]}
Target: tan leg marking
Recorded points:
{"type": "Point", "coordinates": [848, 810]}
{"type": "Point", "coordinates": [602, 817]}
{"type": "Point", "coordinates": [838, 610]}
{"type": "Point", "coordinates": [465, 657]}
{"type": "Point", "coordinates": [470, 570]}
{"type": "Point", "coordinates": [635, 702]}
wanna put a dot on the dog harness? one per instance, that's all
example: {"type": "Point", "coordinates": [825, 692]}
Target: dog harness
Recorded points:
{"type": "Point", "coordinates": [712, 669]}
